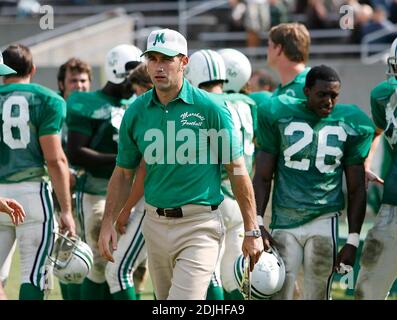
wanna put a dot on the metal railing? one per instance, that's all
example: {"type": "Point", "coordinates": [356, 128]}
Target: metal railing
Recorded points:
{"type": "Point", "coordinates": [186, 13]}
{"type": "Point", "coordinates": [381, 50]}
{"type": "Point", "coordinates": [240, 36]}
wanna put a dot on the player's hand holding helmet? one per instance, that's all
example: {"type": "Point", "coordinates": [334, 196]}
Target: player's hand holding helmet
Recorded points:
{"type": "Point", "coordinates": [71, 258]}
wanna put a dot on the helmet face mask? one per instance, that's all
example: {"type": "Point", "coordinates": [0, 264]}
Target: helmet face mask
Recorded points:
{"type": "Point", "coordinates": [392, 68]}
{"type": "Point", "coordinates": [392, 64]}
{"type": "Point", "coordinates": [267, 278]}
{"type": "Point", "coordinates": [71, 258]}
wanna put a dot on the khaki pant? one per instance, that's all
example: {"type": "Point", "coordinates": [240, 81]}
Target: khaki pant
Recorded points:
{"type": "Point", "coordinates": [379, 258]}
{"type": "Point", "coordinates": [182, 252]}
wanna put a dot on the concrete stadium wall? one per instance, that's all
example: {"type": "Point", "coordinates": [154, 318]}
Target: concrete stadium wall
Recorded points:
{"type": "Point", "coordinates": [90, 43]}
{"type": "Point", "coordinates": [47, 76]}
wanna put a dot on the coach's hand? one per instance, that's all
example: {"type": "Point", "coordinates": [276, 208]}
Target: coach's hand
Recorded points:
{"type": "Point", "coordinates": [122, 221]}
{"type": "Point", "coordinates": [252, 247]}
{"type": "Point", "coordinates": [347, 256]}
{"type": "Point", "coordinates": [107, 236]}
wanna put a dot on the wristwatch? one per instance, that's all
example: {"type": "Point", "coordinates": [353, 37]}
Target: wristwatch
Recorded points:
{"type": "Point", "coordinates": [253, 233]}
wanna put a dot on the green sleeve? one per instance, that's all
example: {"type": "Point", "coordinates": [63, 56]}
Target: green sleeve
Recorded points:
{"type": "Point", "coordinates": [229, 146]}
{"type": "Point", "coordinates": [52, 116]}
{"type": "Point", "coordinates": [128, 155]}
{"type": "Point", "coordinates": [357, 148]}
{"type": "Point", "coordinates": [358, 144]}
{"type": "Point", "coordinates": [267, 137]}
{"type": "Point", "coordinates": [79, 124]}
{"type": "Point", "coordinates": [378, 113]}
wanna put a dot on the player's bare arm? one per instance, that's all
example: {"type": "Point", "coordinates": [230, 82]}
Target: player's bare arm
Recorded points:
{"type": "Point", "coordinates": [369, 175]}
{"type": "Point", "coordinates": [244, 193]}
{"type": "Point", "coordinates": [137, 191]}
{"type": "Point", "coordinates": [262, 182]}
{"type": "Point", "coordinates": [80, 154]}
{"type": "Point", "coordinates": [118, 190]}
{"type": "Point", "coordinates": [58, 170]}
{"type": "Point", "coordinates": [14, 209]}
{"type": "Point", "coordinates": [356, 193]}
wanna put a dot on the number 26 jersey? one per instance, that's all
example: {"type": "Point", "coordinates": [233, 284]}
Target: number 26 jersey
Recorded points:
{"type": "Point", "coordinates": [312, 152]}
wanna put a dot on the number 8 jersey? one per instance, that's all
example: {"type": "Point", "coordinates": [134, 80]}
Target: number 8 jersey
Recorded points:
{"type": "Point", "coordinates": [312, 152]}
{"type": "Point", "coordinates": [27, 111]}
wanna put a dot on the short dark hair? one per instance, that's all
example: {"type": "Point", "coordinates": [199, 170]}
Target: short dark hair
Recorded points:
{"type": "Point", "coordinates": [321, 72]}
{"type": "Point", "coordinates": [19, 58]}
{"type": "Point", "coordinates": [73, 65]}
{"type": "Point", "coordinates": [140, 77]}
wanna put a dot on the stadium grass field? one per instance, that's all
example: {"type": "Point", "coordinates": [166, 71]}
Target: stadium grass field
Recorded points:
{"type": "Point", "coordinates": [12, 287]}
{"type": "Point", "coordinates": [13, 282]}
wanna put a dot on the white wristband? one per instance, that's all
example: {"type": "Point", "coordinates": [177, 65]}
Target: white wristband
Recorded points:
{"type": "Point", "coordinates": [259, 219]}
{"type": "Point", "coordinates": [353, 239]}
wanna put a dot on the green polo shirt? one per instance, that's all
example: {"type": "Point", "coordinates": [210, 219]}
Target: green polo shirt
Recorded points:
{"type": "Point", "coordinates": [295, 87]}
{"type": "Point", "coordinates": [184, 145]}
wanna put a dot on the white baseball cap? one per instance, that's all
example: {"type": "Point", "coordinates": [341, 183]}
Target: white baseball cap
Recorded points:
{"type": "Point", "coordinates": [4, 69]}
{"type": "Point", "coordinates": [166, 41]}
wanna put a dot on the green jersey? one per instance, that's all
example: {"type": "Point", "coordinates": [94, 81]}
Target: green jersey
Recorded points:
{"type": "Point", "coordinates": [243, 111]}
{"type": "Point", "coordinates": [312, 152]}
{"type": "Point", "coordinates": [384, 114]}
{"type": "Point", "coordinates": [261, 97]}
{"type": "Point", "coordinates": [295, 87]}
{"type": "Point", "coordinates": [184, 145]}
{"type": "Point", "coordinates": [27, 112]}
{"type": "Point", "coordinates": [98, 116]}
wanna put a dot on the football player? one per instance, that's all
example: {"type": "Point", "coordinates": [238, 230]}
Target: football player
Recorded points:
{"type": "Point", "coordinates": [93, 122]}
{"type": "Point", "coordinates": [308, 144]}
{"type": "Point", "coordinates": [378, 269]}
{"type": "Point", "coordinates": [32, 117]}
{"type": "Point", "coordinates": [228, 71]}
{"type": "Point", "coordinates": [73, 75]}
{"type": "Point", "coordinates": [287, 54]}
{"type": "Point", "coordinates": [128, 272]}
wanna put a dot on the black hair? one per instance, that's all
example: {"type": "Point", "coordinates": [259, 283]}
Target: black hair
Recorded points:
{"type": "Point", "coordinates": [321, 72]}
{"type": "Point", "coordinates": [19, 58]}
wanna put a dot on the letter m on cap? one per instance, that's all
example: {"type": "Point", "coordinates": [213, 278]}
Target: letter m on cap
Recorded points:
{"type": "Point", "coordinates": [159, 38]}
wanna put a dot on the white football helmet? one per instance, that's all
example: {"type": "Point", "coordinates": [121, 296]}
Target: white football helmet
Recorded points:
{"type": "Point", "coordinates": [72, 259]}
{"type": "Point", "coordinates": [392, 61]}
{"type": "Point", "coordinates": [120, 60]}
{"type": "Point", "coordinates": [268, 275]}
{"type": "Point", "coordinates": [205, 66]}
{"type": "Point", "coordinates": [238, 69]}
